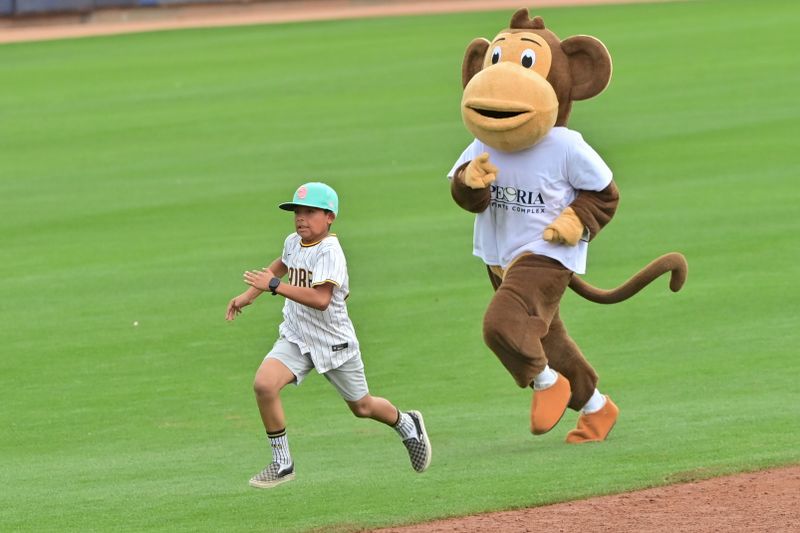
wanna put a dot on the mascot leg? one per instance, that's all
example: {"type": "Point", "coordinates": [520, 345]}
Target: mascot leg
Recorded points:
{"type": "Point", "coordinates": [517, 320]}
{"type": "Point", "coordinates": [566, 358]}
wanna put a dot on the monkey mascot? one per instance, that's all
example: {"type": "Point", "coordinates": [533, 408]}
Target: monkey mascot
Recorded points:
{"type": "Point", "coordinates": [540, 194]}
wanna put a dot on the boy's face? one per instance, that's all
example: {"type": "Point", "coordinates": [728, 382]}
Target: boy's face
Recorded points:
{"type": "Point", "coordinates": [312, 224]}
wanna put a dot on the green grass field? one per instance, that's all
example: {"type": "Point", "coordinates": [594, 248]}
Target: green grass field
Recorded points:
{"type": "Point", "coordinates": [139, 176]}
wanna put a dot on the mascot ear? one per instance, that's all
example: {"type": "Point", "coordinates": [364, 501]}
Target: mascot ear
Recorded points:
{"type": "Point", "coordinates": [473, 59]}
{"type": "Point", "coordinates": [589, 65]}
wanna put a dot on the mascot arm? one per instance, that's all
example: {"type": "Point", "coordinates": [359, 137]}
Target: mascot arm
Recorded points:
{"type": "Point", "coordinates": [566, 229]}
{"type": "Point", "coordinates": [473, 200]}
{"type": "Point", "coordinates": [596, 208]}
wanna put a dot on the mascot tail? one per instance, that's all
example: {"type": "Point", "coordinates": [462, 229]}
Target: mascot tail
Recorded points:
{"type": "Point", "coordinates": [674, 262]}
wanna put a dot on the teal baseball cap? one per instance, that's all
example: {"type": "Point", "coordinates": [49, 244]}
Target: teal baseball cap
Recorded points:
{"type": "Point", "coordinates": [314, 194]}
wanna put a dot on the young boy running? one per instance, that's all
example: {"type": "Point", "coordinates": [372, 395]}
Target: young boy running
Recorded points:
{"type": "Point", "coordinates": [316, 333]}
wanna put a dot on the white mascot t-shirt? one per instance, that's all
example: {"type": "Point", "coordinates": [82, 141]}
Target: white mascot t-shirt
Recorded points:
{"type": "Point", "coordinates": [532, 188]}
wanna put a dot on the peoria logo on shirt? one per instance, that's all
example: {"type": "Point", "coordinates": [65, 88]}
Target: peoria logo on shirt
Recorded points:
{"type": "Point", "coordinates": [517, 200]}
{"type": "Point", "coordinates": [300, 277]}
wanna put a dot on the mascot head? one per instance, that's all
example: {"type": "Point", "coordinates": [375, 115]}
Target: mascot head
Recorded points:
{"type": "Point", "coordinates": [523, 82]}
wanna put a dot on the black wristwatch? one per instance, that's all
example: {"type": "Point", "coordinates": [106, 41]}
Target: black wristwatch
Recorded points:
{"type": "Point", "coordinates": [273, 284]}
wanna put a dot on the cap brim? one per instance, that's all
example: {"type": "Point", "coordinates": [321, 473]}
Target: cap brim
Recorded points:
{"type": "Point", "coordinates": [289, 206]}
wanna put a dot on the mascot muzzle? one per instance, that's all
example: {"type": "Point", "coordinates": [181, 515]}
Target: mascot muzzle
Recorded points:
{"type": "Point", "coordinates": [508, 107]}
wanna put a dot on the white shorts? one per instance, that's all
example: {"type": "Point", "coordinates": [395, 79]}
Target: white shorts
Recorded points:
{"type": "Point", "coordinates": [348, 379]}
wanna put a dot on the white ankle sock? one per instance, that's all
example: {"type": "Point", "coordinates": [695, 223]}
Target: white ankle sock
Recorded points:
{"type": "Point", "coordinates": [405, 427]}
{"type": "Point", "coordinates": [545, 378]}
{"type": "Point", "coordinates": [280, 448]}
{"type": "Point", "coordinates": [595, 403]}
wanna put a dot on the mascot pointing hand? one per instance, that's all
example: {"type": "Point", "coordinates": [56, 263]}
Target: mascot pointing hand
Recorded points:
{"type": "Point", "coordinates": [541, 194]}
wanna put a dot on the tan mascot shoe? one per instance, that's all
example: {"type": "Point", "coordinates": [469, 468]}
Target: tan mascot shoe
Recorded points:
{"type": "Point", "coordinates": [596, 426]}
{"type": "Point", "coordinates": [549, 405]}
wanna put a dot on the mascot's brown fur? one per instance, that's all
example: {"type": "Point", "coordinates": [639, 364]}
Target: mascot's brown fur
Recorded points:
{"type": "Point", "coordinates": [540, 194]}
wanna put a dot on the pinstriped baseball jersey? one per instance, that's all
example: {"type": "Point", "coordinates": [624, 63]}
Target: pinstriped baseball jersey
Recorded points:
{"type": "Point", "coordinates": [327, 335]}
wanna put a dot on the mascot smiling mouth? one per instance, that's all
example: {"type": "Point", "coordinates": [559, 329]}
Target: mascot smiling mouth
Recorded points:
{"type": "Point", "coordinates": [492, 113]}
{"type": "Point", "coordinates": [497, 116]}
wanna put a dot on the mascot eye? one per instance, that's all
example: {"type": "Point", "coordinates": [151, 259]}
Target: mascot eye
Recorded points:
{"type": "Point", "coordinates": [528, 58]}
{"type": "Point", "coordinates": [496, 55]}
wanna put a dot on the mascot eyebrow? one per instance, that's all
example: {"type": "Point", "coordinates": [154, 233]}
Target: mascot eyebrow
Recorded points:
{"type": "Point", "coordinates": [540, 194]}
{"type": "Point", "coordinates": [521, 39]}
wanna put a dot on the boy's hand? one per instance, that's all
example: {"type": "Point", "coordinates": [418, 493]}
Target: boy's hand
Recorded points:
{"type": "Point", "coordinates": [235, 306]}
{"type": "Point", "coordinates": [259, 278]}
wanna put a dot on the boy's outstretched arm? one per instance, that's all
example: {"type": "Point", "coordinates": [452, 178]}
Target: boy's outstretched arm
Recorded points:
{"type": "Point", "coordinates": [247, 297]}
{"type": "Point", "coordinates": [317, 297]}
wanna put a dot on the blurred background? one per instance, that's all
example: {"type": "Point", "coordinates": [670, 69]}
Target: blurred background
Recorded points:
{"type": "Point", "coordinates": [19, 8]}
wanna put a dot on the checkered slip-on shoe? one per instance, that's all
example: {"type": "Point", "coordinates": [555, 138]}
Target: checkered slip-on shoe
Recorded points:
{"type": "Point", "coordinates": [272, 475]}
{"type": "Point", "coordinates": [419, 449]}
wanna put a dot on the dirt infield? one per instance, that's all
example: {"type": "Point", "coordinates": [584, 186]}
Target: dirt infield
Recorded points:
{"type": "Point", "coordinates": [766, 501]}
{"type": "Point", "coordinates": [758, 501]}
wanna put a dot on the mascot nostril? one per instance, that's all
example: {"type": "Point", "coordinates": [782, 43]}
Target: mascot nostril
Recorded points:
{"type": "Point", "coordinates": [540, 194]}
